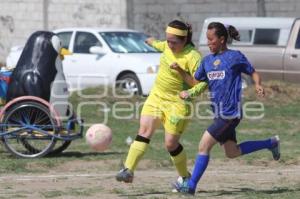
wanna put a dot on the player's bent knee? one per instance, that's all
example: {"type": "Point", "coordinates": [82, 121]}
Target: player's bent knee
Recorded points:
{"type": "Point", "coordinates": [170, 146]}
{"type": "Point", "coordinates": [231, 155]}
{"type": "Point", "coordinates": [145, 132]}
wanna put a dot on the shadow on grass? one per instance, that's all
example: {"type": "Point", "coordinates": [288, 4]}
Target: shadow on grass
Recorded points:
{"type": "Point", "coordinates": [68, 154]}
{"type": "Point", "coordinates": [277, 190]}
{"type": "Point", "coordinates": [82, 154]}
{"type": "Point", "coordinates": [144, 194]}
{"type": "Point", "coordinates": [215, 193]}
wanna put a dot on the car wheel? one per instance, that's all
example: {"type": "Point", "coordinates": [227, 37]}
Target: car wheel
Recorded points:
{"type": "Point", "coordinates": [129, 83]}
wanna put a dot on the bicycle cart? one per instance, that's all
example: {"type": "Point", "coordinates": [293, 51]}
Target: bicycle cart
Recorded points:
{"type": "Point", "coordinates": [31, 128]}
{"type": "Point", "coordinates": [36, 119]}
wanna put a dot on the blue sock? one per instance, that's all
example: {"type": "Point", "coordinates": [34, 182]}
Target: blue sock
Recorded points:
{"type": "Point", "coordinates": [251, 146]}
{"type": "Point", "coordinates": [201, 163]}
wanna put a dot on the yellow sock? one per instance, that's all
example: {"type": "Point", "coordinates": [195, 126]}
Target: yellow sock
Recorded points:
{"type": "Point", "coordinates": [136, 151]}
{"type": "Point", "coordinates": [180, 162]}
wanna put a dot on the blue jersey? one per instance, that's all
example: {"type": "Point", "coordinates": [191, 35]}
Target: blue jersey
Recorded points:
{"type": "Point", "coordinates": [223, 74]}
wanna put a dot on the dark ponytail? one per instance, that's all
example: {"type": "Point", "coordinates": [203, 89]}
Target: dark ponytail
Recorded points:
{"type": "Point", "coordinates": [233, 33]}
{"type": "Point", "coordinates": [183, 26]}
{"type": "Point", "coordinates": [229, 32]}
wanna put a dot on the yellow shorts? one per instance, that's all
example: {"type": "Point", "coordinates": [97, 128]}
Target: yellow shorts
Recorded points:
{"type": "Point", "coordinates": [174, 115]}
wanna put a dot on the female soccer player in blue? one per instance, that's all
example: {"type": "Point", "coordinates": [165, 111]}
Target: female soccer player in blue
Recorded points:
{"type": "Point", "coordinates": [222, 71]}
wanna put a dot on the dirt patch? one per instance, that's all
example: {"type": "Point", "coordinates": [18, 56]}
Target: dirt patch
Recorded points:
{"type": "Point", "coordinates": [276, 92]}
{"type": "Point", "coordinates": [94, 179]}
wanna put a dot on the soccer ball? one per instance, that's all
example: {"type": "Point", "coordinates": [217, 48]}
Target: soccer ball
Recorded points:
{"type": "Point", "coordinates": [99, 137]}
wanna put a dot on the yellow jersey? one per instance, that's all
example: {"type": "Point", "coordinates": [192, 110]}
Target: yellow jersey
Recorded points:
{"type": "Point", "coordinates": [169, 82]}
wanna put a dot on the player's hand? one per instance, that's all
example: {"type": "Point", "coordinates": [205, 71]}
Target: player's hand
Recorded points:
{"type": "Point", "coordinates": [184, 95]}
{"type": "Point", "coordinates": [175, 66]}
{"type": "Point", "coordinates": [260, 90]}
{"type": "Point", "coordinates": [149, 40]}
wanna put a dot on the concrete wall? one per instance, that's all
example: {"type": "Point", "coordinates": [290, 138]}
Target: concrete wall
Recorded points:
{"type": "Point", "coordinates": [86, 13]}
{"type": "Point", "coordinates": [19, 18]}
{"type": "Point", "coordinates": [152, 16]}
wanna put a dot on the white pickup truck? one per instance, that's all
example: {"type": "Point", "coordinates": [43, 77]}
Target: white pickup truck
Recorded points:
{"type": "Point", "coordinates": [271, 44]}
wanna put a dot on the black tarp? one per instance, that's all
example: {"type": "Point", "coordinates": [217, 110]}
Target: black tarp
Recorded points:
{"type": "Point", "coordinates": [35, 70]}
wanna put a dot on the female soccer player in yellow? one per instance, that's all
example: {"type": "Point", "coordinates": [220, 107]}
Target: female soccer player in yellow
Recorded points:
{"type": "Point", "coordinates": [164, 105]}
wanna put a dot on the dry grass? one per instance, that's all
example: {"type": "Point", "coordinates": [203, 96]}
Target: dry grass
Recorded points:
{"type": "Point", "coordinates": [277, 93]}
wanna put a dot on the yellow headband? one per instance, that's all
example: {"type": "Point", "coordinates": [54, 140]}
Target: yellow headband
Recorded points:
{"type": "Point", "coordinates": [176, 31]}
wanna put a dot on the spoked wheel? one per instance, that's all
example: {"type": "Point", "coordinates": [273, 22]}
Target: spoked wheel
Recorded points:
{"type": "Point", "coordinates": [31, 127]}
{"type": "Point", "coordinates": [62, 145]}
{"type": "Point", "coordinates": [59, 147]}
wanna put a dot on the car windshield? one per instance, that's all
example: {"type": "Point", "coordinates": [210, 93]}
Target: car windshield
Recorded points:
{"type": "Point", "coordinates": [127, 42]}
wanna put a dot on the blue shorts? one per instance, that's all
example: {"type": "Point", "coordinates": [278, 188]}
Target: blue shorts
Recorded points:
{"type": "Point", "coordinates": [224, 129]}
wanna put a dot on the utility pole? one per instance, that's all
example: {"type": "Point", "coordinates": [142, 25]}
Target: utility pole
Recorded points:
{"type": "Point", "coordinates": [261, 8]}
{"type": "Point", "coordinates": [129, 13]}
{"type": "Point", "coordinates": [45, 14]}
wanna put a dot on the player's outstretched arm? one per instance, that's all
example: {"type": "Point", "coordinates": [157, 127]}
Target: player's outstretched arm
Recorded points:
{"type": "Point", "coordinates": [185, 76]}
{"type": "Point", "coordinates": [194, 91]}
{"type": "Point", "coordinates": [258, 87]}
{"type": "Point", "coordinates": [149, 41]}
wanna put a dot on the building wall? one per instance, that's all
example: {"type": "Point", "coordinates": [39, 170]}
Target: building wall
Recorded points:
{"type": "Point", "coordinates": [19, 18]}
{"type": "Point", "coordinates": [152, 16]}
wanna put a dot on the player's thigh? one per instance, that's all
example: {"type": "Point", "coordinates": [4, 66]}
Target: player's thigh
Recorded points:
{"type": "Point", "coordinates": [223, 129]}
{"type": "Point", "coordinates": [152, 107]}
{"type": "Point", "coordinates": [176, 118]}
{"type": "Point", "coordinates": [151, 116]}
{"type": "Point", "coordinates": [148, 125]}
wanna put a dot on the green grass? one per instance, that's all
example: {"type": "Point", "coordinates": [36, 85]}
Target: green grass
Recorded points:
{"type": "Point", "coordinates": [282, 117]}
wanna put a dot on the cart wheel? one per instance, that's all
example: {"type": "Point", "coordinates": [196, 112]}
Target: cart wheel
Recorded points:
{"type": "Point", "coordinates": [28, 121]}
{"type": "Point", "coordinates": [62, 145]}
{"type": "Point", "coordinates": [59, 147]}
